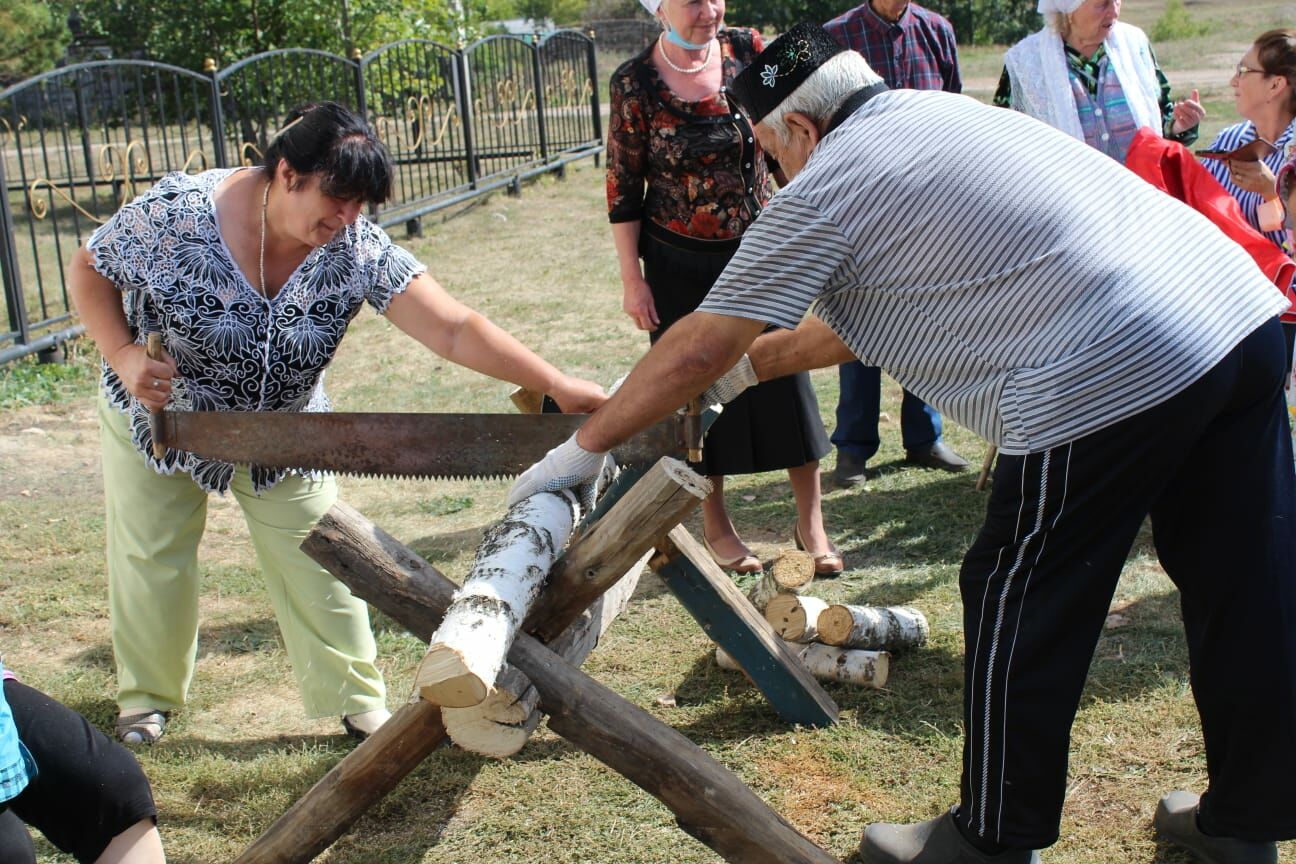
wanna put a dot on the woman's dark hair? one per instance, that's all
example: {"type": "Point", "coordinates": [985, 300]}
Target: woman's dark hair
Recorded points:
{"type": "Point", "coordinates": [328, 140]}
{"type": "Point", "coordinates": [1277, 52]}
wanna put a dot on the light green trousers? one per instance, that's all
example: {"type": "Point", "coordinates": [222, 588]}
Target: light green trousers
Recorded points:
{"type": "Point", "coordinates": [154, 524]}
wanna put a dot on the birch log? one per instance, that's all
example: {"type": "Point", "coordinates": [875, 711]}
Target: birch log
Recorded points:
{"type": "Point", "coordinates": [505, 721]}
{"type": "Point", "coordinates": [467, 651]}
{"type": "Point", "coordinates": [791, 573]}
{"type": "Point", "coordinates": [708, 801]}
{"type": "Point", "coordinates": [828, 663]}
{"type": "Point", "coordinates": [795, 617]}
{"type": "Point", "coordinates": [893, 628]}
{"type": "Point", "coordinates": [601, 552]}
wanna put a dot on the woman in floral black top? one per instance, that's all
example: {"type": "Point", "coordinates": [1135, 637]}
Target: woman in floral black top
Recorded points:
{"type": "Point", "coordinates": [685, 178]}
{"type": "Point", "coordinates": [251, 277]}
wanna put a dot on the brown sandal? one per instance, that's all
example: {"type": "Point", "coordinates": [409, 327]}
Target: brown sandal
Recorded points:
{"type": "Point", "coordinates": [827, 565]}
{"type": "Point", "coordinates": [744, 563]}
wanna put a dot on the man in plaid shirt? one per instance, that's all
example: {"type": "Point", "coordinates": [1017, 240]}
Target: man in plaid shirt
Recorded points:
{"type": "Point", "coordinates": [911, 48]}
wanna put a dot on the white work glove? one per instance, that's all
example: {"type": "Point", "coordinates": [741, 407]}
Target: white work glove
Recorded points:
{"type": "Point", "coordinates": [563, 467]}
{"type": "Point", "coordinates": [727, 387]}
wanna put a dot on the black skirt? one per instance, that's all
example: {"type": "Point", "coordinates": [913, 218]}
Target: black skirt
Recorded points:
{"type": "Point", "coordinates": [771, 426]}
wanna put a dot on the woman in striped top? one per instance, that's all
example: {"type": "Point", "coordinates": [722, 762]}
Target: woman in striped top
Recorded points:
{"type": "Point", "coordinates": [1264, 91]}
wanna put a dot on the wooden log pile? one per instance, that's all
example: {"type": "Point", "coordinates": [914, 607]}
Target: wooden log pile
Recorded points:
{"type": "Point", "coordinates": [837, 642]}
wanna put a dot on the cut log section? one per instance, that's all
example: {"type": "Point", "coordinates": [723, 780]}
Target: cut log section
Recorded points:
{"type": "Point", "coordinates": [829, 663]}
{"type": "Point", "coordinates": [468, 649]}
{"type": "Point", "coordinates": [502, 724]}
{"type": "Point", "coordinates": [893, 628]}
{"type": "Point", "coordinates": [791, 573]}
{"type": "Point", "coordinates": [708, 801]}
{"type": "Point", "coordinates": [795, 617]}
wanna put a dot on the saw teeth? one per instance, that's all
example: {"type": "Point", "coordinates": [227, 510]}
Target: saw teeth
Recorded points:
{"type": "Point", "coordinates": [367, 475]}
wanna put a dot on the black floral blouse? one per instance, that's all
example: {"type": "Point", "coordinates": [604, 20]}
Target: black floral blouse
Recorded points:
{"type": "Point", "coordinates": [704, 173]}
{"type": "Point", "coordinates": [234, 349]}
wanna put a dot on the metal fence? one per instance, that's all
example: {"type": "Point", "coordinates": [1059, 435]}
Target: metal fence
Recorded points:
{"type": "Point", "coordinates": [78, 142]}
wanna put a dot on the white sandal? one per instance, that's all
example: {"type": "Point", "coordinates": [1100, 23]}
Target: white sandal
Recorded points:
{"type": "Point", "coordinates": [142, 727]}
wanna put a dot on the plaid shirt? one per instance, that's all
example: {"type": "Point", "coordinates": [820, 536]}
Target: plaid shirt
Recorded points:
{"type": "Point", "coordinates": [16, 766]}
{"type": "Point", "coordinates": [916, 53]}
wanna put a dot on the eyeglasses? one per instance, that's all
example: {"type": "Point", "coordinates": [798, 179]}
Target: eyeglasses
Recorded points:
{"type": "Point", "coordinates": [1242, 69]}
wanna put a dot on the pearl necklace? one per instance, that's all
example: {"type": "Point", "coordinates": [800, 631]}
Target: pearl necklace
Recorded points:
{"type": "Point", "coordinates": [706, 60]}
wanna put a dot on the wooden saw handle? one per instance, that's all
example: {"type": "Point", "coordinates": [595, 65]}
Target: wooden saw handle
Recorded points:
{"type": "Point", "coordinates": [527, 401]}
{"type": "Point", "coordinates": [153, 347]}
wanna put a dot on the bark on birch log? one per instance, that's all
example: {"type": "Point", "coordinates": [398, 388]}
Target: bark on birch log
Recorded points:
{"type": "Point", "coordinates": [599, 554]}
{"type": "Point", "coordinates": [829, 663]}
{"type": "Point", "coordinates": [791, 573]}
{"type": "Point", "coordinates": [467, 651]}
{"type": "Point", "coordinates": [708, 801]}
{"type": "Point", "coordinates": [502, 724]}
{"type": "Point", "coordinates": [893, 628]}
{"type": "Point", "coordinates": [795, 617]}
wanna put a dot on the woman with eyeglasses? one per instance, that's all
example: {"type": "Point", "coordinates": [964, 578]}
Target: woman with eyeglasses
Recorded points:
{"type": "Point", "coordinates": [1264, 91]}
{"type": "Point", "coordinates": [1095, 78]}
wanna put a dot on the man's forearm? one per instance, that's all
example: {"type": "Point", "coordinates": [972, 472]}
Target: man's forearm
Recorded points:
{"type": "Point", "coordinates": [812, 345]}
{"type": "Point", "coordinates": [698, 349]}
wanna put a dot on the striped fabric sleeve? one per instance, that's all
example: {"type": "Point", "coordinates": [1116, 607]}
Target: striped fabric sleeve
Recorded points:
{"type": "Point", "coordinates": [789, 256]}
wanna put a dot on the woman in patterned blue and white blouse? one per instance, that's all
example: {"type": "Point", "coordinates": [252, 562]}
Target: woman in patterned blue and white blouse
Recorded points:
{"type": "Point", "coordinates": [252, 276]}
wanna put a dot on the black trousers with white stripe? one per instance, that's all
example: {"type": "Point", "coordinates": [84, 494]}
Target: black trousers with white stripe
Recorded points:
{"type": "Point", "coordinates": [1213, 468]}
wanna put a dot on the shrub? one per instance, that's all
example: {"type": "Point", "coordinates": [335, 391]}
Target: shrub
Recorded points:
{"type": "Point", "coordinates": [1176, 23]}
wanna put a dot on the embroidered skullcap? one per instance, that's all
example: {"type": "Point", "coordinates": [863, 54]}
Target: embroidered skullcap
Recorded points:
{"type": "Point", "coordinates": [651, 5]}
{"type": "Point", "coordinates": [1066, 7]}
{"type": "Point", "coordinates": [781, 68]}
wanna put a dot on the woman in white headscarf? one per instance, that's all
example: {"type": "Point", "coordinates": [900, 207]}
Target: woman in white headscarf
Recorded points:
{"type": "Point", "coordinates": [1095, 78]}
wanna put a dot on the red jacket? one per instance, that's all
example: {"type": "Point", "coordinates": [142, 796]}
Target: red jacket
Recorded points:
{"type": "Point", "coordinates": [1170, 167]}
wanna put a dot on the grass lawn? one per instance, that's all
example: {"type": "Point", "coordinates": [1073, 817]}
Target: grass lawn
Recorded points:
{"type": "Point", "coordinates": [543, 265]}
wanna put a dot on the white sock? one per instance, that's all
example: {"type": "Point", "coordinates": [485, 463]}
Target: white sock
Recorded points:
{"type": "Point", "coordinates": [369, 721]}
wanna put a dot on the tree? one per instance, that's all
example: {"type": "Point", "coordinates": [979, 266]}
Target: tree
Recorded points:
{"type": "Point", "coordinates": [33, 36]}
{"type": "Point", "coordinates": [978, 22]}
{"type": "Point", "coordinates": [185, 32]}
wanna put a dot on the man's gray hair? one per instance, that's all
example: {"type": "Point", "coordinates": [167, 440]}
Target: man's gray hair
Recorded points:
{"type": "Point", "coordinates": [820, 95]}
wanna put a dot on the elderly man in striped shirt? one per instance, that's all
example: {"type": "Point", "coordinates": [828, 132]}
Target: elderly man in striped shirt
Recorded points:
{"type": "Point", "coordinates": [975, 255]}
{"type": "Point", "coordinates": [914, 48]}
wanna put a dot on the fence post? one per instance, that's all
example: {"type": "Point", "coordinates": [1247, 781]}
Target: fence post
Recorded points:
{"type": "Point", "coordinates": [362, 107]}
{"type": "Point", "coordinates": [463, 92]}
{"type": "Point", "coordinates": [591, 54]}
{"type": "Point", "coordinates": [541, 127]}
{"type": "Point", "coordinates": [9, 272]}
{"type": "Point", "coordinates": [217, 113]}
{"type": "Point", "coordinates": [361, 102]}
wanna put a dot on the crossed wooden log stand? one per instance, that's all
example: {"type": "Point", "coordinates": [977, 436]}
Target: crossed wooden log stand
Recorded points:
{"type": "Point", "coordinates": [638, 516]}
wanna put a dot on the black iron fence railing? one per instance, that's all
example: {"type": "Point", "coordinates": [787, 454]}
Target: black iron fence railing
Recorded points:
{"type": "Point", "coordinates": [78, 142]}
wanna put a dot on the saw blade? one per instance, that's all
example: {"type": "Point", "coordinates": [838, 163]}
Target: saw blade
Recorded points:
{"type": "Point", "coordinates": [476, 446]}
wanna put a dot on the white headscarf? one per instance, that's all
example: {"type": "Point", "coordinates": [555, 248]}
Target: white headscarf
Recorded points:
{"type": "Point", "coordinates": [1066, 7]}
{"type": "Point", "coordinates": [653, 5]}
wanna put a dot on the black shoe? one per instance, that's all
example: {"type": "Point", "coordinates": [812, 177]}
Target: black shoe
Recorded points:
{"type": "Point", "coordinates": [849, 472]}
{"type": "Point", "coordinates": [936, 841]}
{"type": "Point", "coordinates": [939, 455]}
{"type": "Point", "coordinates": [1176, 821]}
